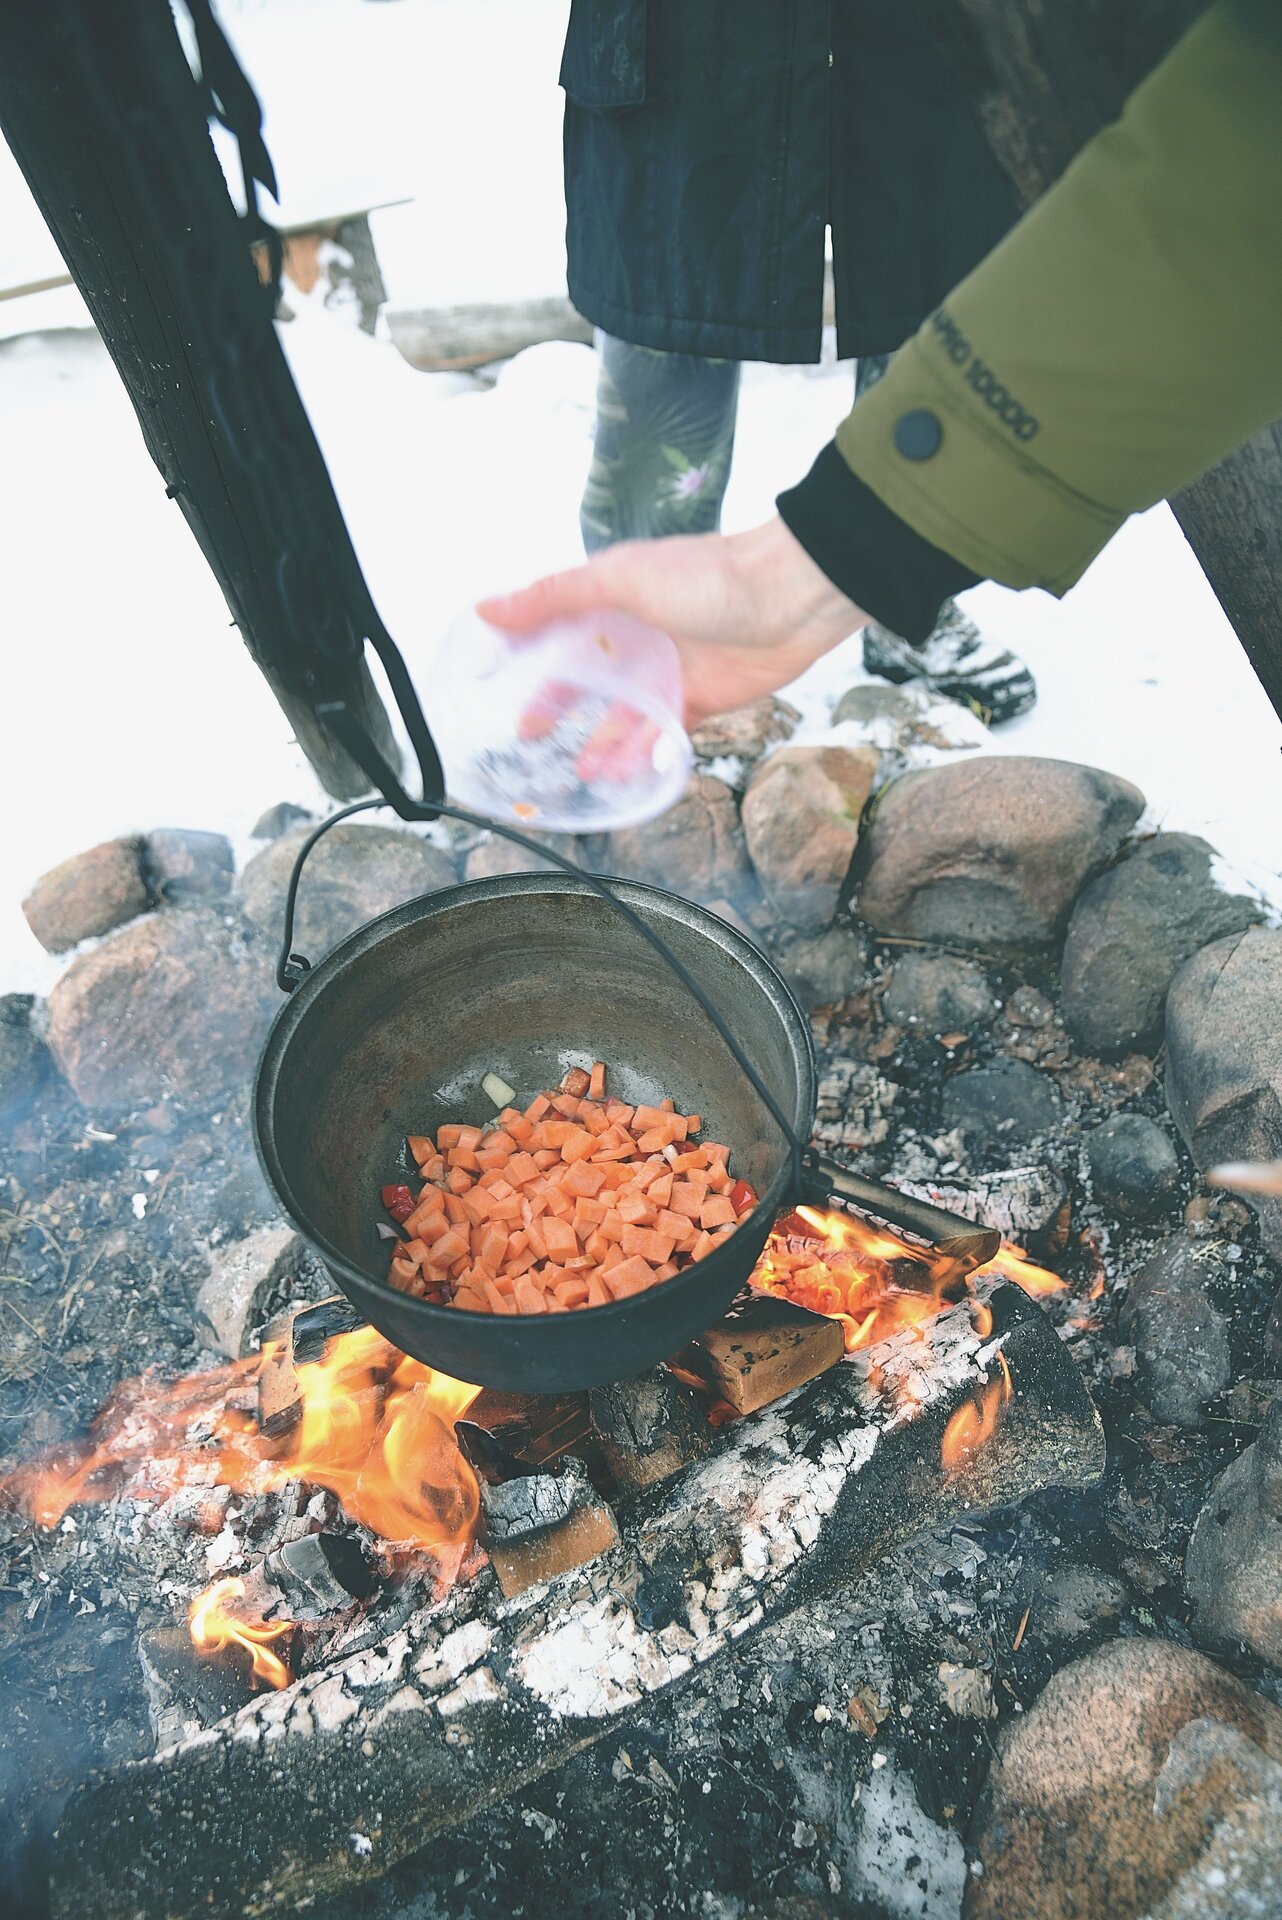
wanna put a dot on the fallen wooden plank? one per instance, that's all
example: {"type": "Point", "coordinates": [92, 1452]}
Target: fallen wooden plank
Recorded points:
{"type": "Point", "coordinates": [445, 339]}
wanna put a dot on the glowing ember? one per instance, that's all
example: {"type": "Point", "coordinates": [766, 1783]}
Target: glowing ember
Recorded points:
{"type": "Point", "coordinates": [213, 1626]}
{"type": "Point", "coordinates": [868, 1278]}
{"type": "Point", "coordinates": [377, 1430]}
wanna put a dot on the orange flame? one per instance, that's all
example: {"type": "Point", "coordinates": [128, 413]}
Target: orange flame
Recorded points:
{"type": "Point", "coordinates": [973, 1425]}
{"type": "Point", "coordinates": [213, 1626]}
{"type": "Point", "coordinates": [868, 1278]}
{"type": "Point", "coordinates": [376, 1430]}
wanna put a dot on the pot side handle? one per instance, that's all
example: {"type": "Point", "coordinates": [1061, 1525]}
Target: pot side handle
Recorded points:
{"type": "Point", "coordinates": [948, 1234]}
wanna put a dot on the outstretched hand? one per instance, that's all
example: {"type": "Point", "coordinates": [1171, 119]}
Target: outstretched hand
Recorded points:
{"type": "Point", "coordinates": [748, 612]}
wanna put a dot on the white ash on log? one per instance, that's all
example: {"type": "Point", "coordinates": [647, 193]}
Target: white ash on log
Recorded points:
{"type": "Point", "coordinates": [648, 1428]}
{"type": "Point", "coordinates": [342, 1774]}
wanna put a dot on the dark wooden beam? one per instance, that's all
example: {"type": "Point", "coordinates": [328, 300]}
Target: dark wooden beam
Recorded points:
{"type": "Point", "coordinates": [107, 123]}
{"type": "Point", "coordinates": [1048, 77]}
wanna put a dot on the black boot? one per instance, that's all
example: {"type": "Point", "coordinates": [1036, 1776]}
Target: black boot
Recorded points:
{"type": "Point", "coordinates": [958, 662]}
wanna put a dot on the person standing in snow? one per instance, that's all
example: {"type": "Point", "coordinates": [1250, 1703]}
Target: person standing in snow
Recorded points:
{"type": "Point", "coordinates": [707, 150]}
{"type": "Point", "coordinates": [1046, 399]}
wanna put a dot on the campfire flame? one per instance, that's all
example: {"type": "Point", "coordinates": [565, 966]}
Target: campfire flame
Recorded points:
{"type": "Point", "coordinates": [869, 1279]}
{"type": "Point", "coordinates": [973, 1425]}
{"type": "Point", "coordinates": [213, 1626]}
{"type": "Point", "coordinates": [377, 1430]}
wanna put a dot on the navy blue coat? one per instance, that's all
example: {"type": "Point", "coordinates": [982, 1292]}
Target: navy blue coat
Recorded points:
{"type": "Point", "coordinates": [708, 143]}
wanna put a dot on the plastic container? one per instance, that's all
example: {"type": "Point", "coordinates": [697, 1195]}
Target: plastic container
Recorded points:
{"type": "Point", "coordinates": [573, 729]}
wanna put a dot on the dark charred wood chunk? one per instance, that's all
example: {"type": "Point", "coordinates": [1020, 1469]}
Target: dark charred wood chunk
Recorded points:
{"type": "Point", "coordinates": [649, 1428]}
{"type": "Point", "coordinates": [487, 1455]}
{"type": "Point", "coordinates": [762, 1349]}
{"type": "Point", "coordinates": [313, 1327]}
{"type": "Point", "coordinates": [534, 1428]}
{"type": "Point", "coordinates": [320, 1574]}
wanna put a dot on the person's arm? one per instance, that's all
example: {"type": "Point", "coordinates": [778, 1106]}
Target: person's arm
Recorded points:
{"type": "Point", "coordinates": [1121, 339]}
{"type": "Point", "coordinates": [1125, 336]}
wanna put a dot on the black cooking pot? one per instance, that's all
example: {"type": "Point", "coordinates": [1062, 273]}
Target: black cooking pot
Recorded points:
{"type": "Point", "coordinates": [524, 976]}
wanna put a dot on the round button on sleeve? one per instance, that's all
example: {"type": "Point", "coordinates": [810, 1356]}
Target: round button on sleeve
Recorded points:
{"type": "Point", "coordinates": [918, 434]}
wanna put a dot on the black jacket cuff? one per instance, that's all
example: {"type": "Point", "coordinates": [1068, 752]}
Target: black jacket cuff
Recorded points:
{"type": "Point", "coordinates": [876, 558]}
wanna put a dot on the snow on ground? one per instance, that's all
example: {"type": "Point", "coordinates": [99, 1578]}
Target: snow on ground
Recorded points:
{"type": "Point", "coordinates": [131, 702]}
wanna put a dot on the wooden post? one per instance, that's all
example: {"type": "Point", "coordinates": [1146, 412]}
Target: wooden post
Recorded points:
{"type": "Point", "coordinates": [108, 125]}
{"type": "Point", "coordinates": [1051, 76]}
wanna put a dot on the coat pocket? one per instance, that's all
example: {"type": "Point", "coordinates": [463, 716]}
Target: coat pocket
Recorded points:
{"type": "Point", "coordinates": [603, 66]}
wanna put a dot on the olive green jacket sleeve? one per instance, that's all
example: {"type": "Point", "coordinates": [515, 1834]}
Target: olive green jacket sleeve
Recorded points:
{"type": "Point", "coordinates": [1122, 338]}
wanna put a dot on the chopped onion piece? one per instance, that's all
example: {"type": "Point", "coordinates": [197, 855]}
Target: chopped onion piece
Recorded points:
{"type": "Point", "coordinates": [499, 1091]}
{"type": "Point", "coordinates": [385, 1232]}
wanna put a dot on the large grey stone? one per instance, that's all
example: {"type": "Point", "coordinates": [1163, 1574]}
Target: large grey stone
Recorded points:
{"type": "Point", "coordinates": [1224, 1058]}
{"type": "Point", "coordinates": [1002, 1106]}
{"type": "Point", "coordinates": [801, 816]}
{"type": "Point", "coordinates": [24, 1058]}
{"type": "Point", "coordinates": [1133, 1165]}
{"type": "Point", "coordinates": [991, 852]}
{"type": "Point", "coordinates": [823, 967]}
{"type": "Point", "coordinates": [177, 1004]}
{"type": "Point", "coordinates": [1143, 1781]}
{"type": "Point", "coordinates": [89, 894]}
{"type": "Point", "coordinates": [1233, 1572]}
{"type": "Point", "coordinates": [1130, 931]}
{"type": "Point", "coordinates": [938, 991]}
{"type": "Point", "coordinates": [1181, 1338]}
{"type": "Point", "coordinates": [355, 873]}
{"type": "Point", "coordinates": [696, 848]}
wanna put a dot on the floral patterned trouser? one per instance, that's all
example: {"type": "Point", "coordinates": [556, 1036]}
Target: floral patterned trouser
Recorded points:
{"type": "Point", "coordinates": [664, 438]}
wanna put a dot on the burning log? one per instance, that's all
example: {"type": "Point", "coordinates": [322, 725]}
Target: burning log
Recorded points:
{"type": "Point", "coordinates": [475, 1699]}
{"type": "Point", "coordinates": [765, 1347]}
{"type": "Point", "coordinates": [320, 1574]}
{"type": "Point", "coordinates": [648, 1429]}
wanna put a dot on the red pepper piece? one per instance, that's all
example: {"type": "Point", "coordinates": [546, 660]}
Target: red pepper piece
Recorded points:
{"type": "Point", "coordinates": [399, 1202]}
{"type": "Point", "coordinates": [743, 1197]}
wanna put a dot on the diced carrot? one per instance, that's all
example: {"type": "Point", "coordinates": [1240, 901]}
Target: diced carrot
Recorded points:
{"type": "Point", "coordinates": [420, 1145]}
{"type": "Point", "coordinates": [628, 1277]}
{"type": "Point", "coordinates": [583, 1179]}
{"type": "Point", "coordinates": [651, 1246]}
{"type": "Point", "coordinates": [560, 1238]}
{"type": "Point", "coordinates": [596, 1246]}
{"type": "Point", "coordinates": [415, 1251]}
{"type": "Point", "coordinates": [427, 1209]}
{"type": "Point", "coordinates": [667, 1104]}
{"type": "Point", "coordinates": [613, 1226]}
{"type": "Point", "coordinates": [521, 1169]}
{"type": "Point", "coordinates": [520, 1129]}
{"type": "Point", "coordinates": [716, 1211]}
{"type": "Point", "coordinates": [507, 1210]}
{"type": "Point", "coordinates": [693, 1123]}
{"type": "Point", "coordinates": [545, 1157]}
{"type": "Point", "coordinates": [599, 1294]}
{"type": "Point", "coordinates": [434, 1169]}
{"type": "Point", "coordinates": [687, 1198]}
{"type": "Point", "coordinates": [450, 1246]}
{"type": "Point", "coordinates": [579, 1145]}
{"type": "Point", "coordinates": [493, 1157]}
{"type": "Point", "coordinates": [447, 1136]}
{"type": "Point", "coordinates": [464, 1157]}
{"type": "Point", "coordinates": [527, 1297]}
{"type": "Point", "coordinates": [536, 1109]}
{"type": "Point", "coordinates": [493, 1249]}
{"type": "Point", "coordinates": [572, 1292]}
{"type": "Point", "coordinates": [567, 1105]}
{"type": "Point", "coordinates": [644, 1117]}
{"type": "Point", "coordinates": [705, 1244]}
{"type": "Point", "coordinates": [596, 1080]}
{"type": "Point", "coordinates": [593, 1117]}
{"type": "Point", "coordinates": [715, 1151]}
{"type": "Point", "coordinates": [560, 1205]}
{"type": "Point", "coordinates": [455, 1211]}
{"type": "Point", "coordinates": [635, 1209]}
{"type": "Point", "coordinates": [534, 1233]}
{"type": "Point", "coordinates": [587, 1217]}
{"type": "Point", "coordinates": [460, 1181]}
{"type": "Point", "coordinates": [618, 1113]}
{"type": "Point", "coordinates": [677, 1227]}
{"type": "Point", "coordinates": [659, 1190]}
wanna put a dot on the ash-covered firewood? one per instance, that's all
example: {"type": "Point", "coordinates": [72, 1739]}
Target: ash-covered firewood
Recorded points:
{"type": "Point", "coordinates": [541, 1525]}
{"type": "Point", "coordinates": [311, 1328]}
{"type": "Point", "coordinates": [648, 1428]}
{"type": "Point", "coordinates": [280, 1403]}
{"type": "Point", "coordinates": [348, 1770]}
{"type": "Point", "coordinates": [765, 1347]}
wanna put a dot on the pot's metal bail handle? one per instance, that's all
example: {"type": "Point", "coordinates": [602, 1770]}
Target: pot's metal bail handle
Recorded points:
{"type": "Point", "coordinates": [947, 1234]}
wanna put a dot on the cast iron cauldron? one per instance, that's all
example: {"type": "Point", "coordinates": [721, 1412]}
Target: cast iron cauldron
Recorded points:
{"type": "Point", "coordinates": [524, 976]}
